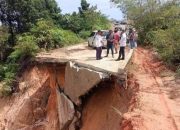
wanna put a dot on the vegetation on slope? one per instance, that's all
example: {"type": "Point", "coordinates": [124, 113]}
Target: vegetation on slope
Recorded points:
{"type": "Point", "coordinates": [30, 26]}
{"type": "Point", "coordinates": [158, 25]}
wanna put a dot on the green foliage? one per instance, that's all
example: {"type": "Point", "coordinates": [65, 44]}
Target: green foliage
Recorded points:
{"type": "Point", "coordinates": [163, 44]}
{"type": "Point", "coordinates": [26, 47]}
{"type": "Point", "coordinates": [25, 13]}
{"type": "Point", "coordinates": [49, 36]}
{"type": "Point", "coordinates": [88, 19]}
{"type": "Point", "coordinates": [164, 33]}
{"type": "Point", "coordinates": [42, 34]}
{"type": "Point", "coordinates": [158, 25]}
{"type": "Point", "coordinates": [64, 37]}
{"type": "Point", "coordinates": [10, 71]}
{"type": "Point", "coordinates": [2, 72]}
{"type": "Point", "coordinates": [31, 25]}
{"type": "Point", "coordinates": [3, 41]}
{"type": "Point", "coordinates": [72, 22]}
{"type": "Point", "coordinates": [84, 5]}
{"type": "Point", "coordinates": [84, 34]}
{"type": "Point", "coordinates": [7, 77]}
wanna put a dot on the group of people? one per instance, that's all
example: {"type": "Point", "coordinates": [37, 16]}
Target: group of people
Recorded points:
{"type": "Point", "coordinates": [114, 40]}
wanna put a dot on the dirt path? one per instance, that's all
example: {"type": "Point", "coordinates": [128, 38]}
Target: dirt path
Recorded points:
{"type": "Point", "coordinates": [158, 96]}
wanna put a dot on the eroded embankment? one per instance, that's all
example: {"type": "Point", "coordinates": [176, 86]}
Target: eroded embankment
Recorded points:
{"type": "Point", "coordinates": [105, 107]}
{"type": "Point", "coordinates": [68, 97]}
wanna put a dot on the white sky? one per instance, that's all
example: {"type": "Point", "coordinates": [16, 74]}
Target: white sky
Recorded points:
{"type": "Point", "coordinates": [107, 8]}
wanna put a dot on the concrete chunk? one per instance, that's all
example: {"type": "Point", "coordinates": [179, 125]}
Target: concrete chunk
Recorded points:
{"type": "Point", "coordinates": [78, 81]}
{"type": "Point", "coordinates": [65, 110]}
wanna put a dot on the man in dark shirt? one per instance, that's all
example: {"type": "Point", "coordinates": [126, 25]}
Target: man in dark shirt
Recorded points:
{"type": "Point", "coordinates": [110, 38]}
{"type": "Point", "coordinates": [132, 38]}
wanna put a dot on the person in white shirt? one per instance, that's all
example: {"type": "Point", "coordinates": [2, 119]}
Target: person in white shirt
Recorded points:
{"type": "Point", "coordinates": [99, 44]}
{"type": "Point", "coordinates": [122, 43]}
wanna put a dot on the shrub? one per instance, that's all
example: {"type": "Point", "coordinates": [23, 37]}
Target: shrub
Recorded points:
{"type": "Point", "coordinates": [26, 47]}
{"type": "Point", "coordinates": [3, 41]}
{"type": "Point", "coordinates": [84, 34]}
{"type": "Point", "coordinates": [7, 77]}
{"type": "Point", "coordinates": [63, 37]}
{"type": "Point", "coordinates": [2, 72]}
{"type": "Point", "coordinates": [41, 31]}
{"type": "Point", "coordinates": [49, 36]}
{"type": "Point", "coordinates": [167, 43]}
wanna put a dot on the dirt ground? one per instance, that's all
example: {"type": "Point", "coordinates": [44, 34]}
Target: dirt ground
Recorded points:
{"type": "Point", "coordinates": [151, 102]}
{"type": "Point", "coordinates": [153, 106]}
{"type": "Point", "coordinates": [158, 99]}
{"type": "Point", "coordinates": [105, 108]}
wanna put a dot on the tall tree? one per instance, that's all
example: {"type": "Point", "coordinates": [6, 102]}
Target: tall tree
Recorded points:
{"type": "Point", "coordinates": [3, 41]}
{"type": "Point", "coordinates": [84, 6]}
{"type": "Point", "coordinates": [20, 15]}
{"type": "Point", "coordinates": [158, 24]}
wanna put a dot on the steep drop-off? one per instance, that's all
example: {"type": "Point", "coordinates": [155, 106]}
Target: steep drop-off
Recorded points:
{"type": "Point", "coordinates": [66, 97]}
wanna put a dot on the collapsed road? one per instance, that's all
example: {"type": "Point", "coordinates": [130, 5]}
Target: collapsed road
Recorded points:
{"type": "Point", "coordinates": [67, 89]}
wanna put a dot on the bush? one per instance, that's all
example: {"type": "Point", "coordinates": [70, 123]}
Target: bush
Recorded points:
{"type": "Point", "coordinates": [2, 72]}
{"type": "Point", "coordinates": [49, 36]}
{"type": "Point", "coordinates": [3, 41]}
{"type": "Point", "coordinates": [26, 47]}
{"type": "Point", "coordinates": [63, 37]}
{"type": "Point", "coordinates": [167, 43]}
{"type": "Point", "coordinates": [84, 34]}
{"type": "Point", "coordinates": [7, 77]}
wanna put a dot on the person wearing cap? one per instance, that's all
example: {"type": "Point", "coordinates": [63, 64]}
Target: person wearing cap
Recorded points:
{"type": "Point", "coordinates": [122, 43]}
{"type": "Point", "coordinates": [110, 39]}
{"type": "Point", "coordinates": [99, 44]}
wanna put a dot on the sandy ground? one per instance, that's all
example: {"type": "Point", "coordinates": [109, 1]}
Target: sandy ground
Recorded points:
{"type": "Point", "coordinates": [158, 105]}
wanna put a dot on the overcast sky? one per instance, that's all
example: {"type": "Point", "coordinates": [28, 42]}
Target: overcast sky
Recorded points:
{"type": "Point", "coordinates": [107, 8]}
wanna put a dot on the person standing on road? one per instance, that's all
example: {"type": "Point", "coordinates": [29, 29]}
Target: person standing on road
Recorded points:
{"type": "Point", "coordinates": [135, 38]}
{"type": "Point", "coordinates": [116, 40]}
{"type": "Point", "coordinates": [131, 39]}
{"type": "Point", "coordinates": [110, 39]}
{"type": "Point", "coordinates": [122, 42]}
{"type": "Point", "coordinates": [99, 44]}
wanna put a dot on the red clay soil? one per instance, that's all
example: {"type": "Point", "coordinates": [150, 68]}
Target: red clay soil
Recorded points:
{"type": "Point", "coordinates": [105, 109]}
{"type": "Point", "coordinates": [159, 94]}
{"type": "Point", "coordinates": [156, 105]}
{"type": "Point", "coordinates": [40, 113]}
{"type": "Point", "coordinates": [98, 114]}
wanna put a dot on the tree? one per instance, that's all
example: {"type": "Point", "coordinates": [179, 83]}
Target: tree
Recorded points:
{"type": "Point", "coordinates": [86, 20]}
{"type": "Point", "coordinates": [157, 22]}
{"type": "Point", "coordinates": [20, 15]}
{"type": "Point", "coordinates": [3, 41]}
{"type": "Point", "coordinates": [84, 6]}
{"type": "Point", "coordinates": [72, 22]}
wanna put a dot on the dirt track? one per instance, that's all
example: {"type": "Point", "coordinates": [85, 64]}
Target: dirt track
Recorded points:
{"type": "Point", "coordinates": [158, 96]}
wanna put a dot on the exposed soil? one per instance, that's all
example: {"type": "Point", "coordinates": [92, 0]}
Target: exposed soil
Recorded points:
{"type": "Point", "coordinates": [158, 96]}
{"type": "Point", "coordinates": [153, 107]}
{"type": "Point", "coordinates": [150, 102]}
{"type": "Point", "coordinates": [35, 106]}
{"type": "Point", "coordinates": [105, 108]}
